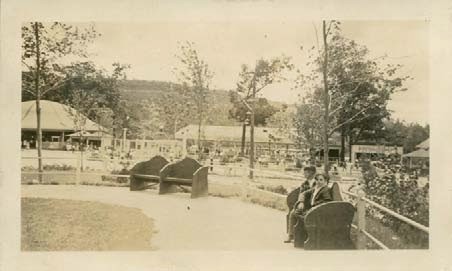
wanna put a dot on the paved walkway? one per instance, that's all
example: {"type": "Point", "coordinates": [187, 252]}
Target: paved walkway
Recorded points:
{"type": "Point", "coordinates": [187, 224]}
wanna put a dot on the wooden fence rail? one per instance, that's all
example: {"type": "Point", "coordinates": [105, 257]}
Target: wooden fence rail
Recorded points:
{"type": "Point", "coordinates": [361, 210]}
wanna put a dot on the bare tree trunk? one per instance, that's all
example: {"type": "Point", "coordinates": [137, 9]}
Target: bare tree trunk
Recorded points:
{"type": "Point", "coordinates": [38, 101]}
{"type": "Point", "coordinates": [343, 135]}
{"type": "Point", "coordinates": [252, 128]}
{"type": "Point", "coordinates": [350, 141]}
{"type": "Point", "coordinates": [326, 101]}
{"type": "Point", "coordinates": [81, 151]}
{"type": "Point", "coordinates": [199, 135]}
{"type": "Point", "coordinates": [252, 143]}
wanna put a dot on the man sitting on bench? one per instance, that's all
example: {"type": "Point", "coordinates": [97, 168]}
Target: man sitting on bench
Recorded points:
{"type": "Point", "coordinates": [309, 183]}
{"type": "Point", "coordinates": [308, 199]}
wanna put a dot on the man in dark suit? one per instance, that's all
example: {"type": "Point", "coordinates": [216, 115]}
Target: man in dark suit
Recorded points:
{"type": "Point", "coordinates": [319, 194]}
{"type": "Point", "coordinates": [309, 183]}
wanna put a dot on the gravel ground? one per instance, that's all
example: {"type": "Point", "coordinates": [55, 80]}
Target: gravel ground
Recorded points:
{"type": "Point", "coordinates": [182, 223]}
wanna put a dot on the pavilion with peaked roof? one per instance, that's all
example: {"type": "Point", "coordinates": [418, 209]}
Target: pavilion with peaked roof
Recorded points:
{"type": "Point", "coordinates": [424, 144]}
{"type": "Point", "coordinates": [419, 157]}
{"type": "Point", "coordinates": [57, 123]}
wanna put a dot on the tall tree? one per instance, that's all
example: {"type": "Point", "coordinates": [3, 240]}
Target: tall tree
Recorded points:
{"type": "Point", "coordinates": [408, 135]}
{"type": "Point", "coordinates": [194, 73]}
{"type": "Point", "coordinates": [100, 84]}
{"type": "Point", "coordinates": [175, 108]}
{"type": "Point", "coordinates": [43, 45]}
{"type": "Point", "coordinates": [252, 81]}
{"type": "Point", "coordinates": [262, 111]}
{"type": "Point", "coordinates": [308, 126]}
{"type": "Point", "coordinates": [352, 89]}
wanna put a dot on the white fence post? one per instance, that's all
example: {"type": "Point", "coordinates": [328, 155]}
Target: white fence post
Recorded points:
{"type": "Point", "coordinates": [77, 171]}
{"type": "Point", "coordinates": [244, 185]}
{"type": "Point", "coordinates": [361, 211]}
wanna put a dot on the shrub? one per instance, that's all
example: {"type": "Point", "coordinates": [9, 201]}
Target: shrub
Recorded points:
{"type": "Point", "coordinates": [123, 171]}
{"type": "Point", "coordinates": [58, 167]}
{"type": "Point", "coordinates": [403, 197]}
{"type": "Point", "coordinates": [278, 189]}
{"type": "Point", "coordinates": [275, 189]}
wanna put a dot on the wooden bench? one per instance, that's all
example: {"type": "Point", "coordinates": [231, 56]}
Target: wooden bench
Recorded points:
{"type": "Point", "coordinates": [186, 172]}
{"type": "Point", "coordinates": [326, 226]}
{"type": "Point", "coordinates": [146, 172]}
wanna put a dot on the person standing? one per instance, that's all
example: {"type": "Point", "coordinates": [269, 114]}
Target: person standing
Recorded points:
{"type": "Point", "coordinates": [308, 184]}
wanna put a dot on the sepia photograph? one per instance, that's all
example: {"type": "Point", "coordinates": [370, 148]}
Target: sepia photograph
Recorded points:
{"type": "Point", "coordinates": [311, 135]}
{"type": "Point", "coordinates": [235, 135]}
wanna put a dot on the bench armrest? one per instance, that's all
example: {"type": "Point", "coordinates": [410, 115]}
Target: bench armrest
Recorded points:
{"type": "Point", "coordinates": [199, 171]}
{"type": "Point", "coordinates": [165, 171]}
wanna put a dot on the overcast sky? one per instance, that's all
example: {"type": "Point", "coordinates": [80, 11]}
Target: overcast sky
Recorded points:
{"type": "Point", "coordinates": [150, 49]}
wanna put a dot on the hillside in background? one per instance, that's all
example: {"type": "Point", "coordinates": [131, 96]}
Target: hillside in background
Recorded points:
{"type": "Point", "coordinates": [140, 90]}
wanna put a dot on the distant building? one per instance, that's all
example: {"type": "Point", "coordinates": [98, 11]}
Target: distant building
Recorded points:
{"type": "Point", "coordinates": [57, 126]}
{"type": "Point", "coordinates": [267, 140]}
{"type": "Point", "coordinates": [419, 158]}
{"type": "Point", "coordinates": [369, 151]}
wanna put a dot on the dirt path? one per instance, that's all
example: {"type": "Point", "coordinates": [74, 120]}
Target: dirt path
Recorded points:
{"type": "Point", "coordinates": [187, 224]}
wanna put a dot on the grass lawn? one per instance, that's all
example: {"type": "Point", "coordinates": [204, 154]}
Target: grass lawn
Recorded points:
{"type": "Point", "coordinates": [57, 225]}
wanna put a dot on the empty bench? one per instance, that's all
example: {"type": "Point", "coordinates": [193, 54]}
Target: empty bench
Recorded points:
{"type": "Point", "coordinates": [186, 172]}
{"type": "Point", "coordinates": [326, 226]}
{"type": "Point", "coordinates": [147, 174]}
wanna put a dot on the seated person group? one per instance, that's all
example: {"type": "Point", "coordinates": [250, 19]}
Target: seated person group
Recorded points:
{"type": "Point", "coordinates": [313, 191]}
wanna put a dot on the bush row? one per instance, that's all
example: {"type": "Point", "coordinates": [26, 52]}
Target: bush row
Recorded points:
{"type": "Point", "coordinates": [404, 197]}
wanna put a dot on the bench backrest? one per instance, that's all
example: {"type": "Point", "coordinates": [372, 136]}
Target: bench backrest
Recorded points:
{"type": "Point", "coordinates": [150, 167]}
{"type": "Point", "coordinates": [335, 191]}
{"type": "Point", "coordinates": [292, 198]}
{"type": "Point", "coordinates": [184, 168]}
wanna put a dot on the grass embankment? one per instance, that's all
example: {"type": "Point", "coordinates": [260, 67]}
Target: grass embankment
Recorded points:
{"type": "Point", "coordinates": [58, 225]}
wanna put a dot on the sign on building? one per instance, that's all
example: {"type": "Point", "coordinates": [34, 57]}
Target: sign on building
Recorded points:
{"type": "Point", "coordinates": [375, 149]}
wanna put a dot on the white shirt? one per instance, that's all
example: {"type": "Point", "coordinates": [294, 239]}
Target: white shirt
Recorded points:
{"type": "Point", "coordinates": [316, 191]}
{"type": "Point", "coordinates": [311, 182]}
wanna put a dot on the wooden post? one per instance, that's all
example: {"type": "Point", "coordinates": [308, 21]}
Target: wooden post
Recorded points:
{"type": "Point", "coordinates": [77, 171]}
{"type": "Point", "coordinates": [244, 185]}
{"type": "Point", "coordinates": [361, 212]}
